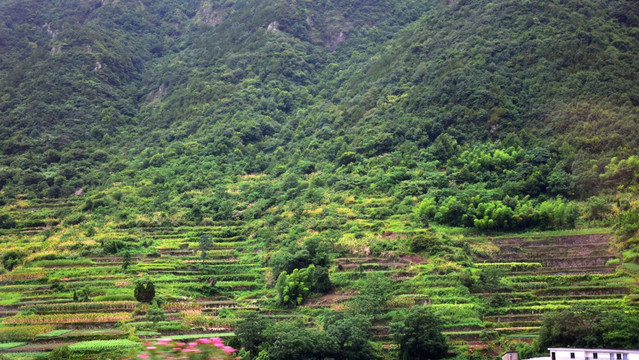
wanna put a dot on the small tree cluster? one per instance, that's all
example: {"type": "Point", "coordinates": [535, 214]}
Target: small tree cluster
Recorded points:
{"type": "Point", "coordinates": [420, 336]}
{"type": "Point", "coordinates": [294, 287]}
{"type": "Point", "coordinates": [490, 215]}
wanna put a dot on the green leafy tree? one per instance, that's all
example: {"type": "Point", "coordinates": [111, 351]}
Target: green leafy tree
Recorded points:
{"type": "Point", "coordinates": [424, 242]}
{"type": "Point", "coordinates": [7, 222]}
{"type": "Point", "coordinates": [591, 327]}
{"type": "Point", "coordinates": [82, 295]}
{"type": "Point", "coordinates": [621, 330]}
{"type": "Point", "coordinates": [126, 261]}
{"type": "Point", "coordinates": [597, 208]}
{"type": "Point", "coordinates": [293, 288]}
{"type": "Point", "coordinates": [489, 279]}
{"type": "Point", "coordinates": [320, 279]}
{"type": "Point", "coordinates": [205, 244]}
{"type": "Point", "coordinates": [144, 290]}
{"type": "Point", "coordinates": [375, 290]}
{"type": "Point", "coordinates": [295, 341]}
{"type": "Point", "coordinates": [251, 333]}
{"type": "Point", "coordinates": [420, 336]}
{"type": "Point", "coordinates": [352, 333]}
{"type": "Point", "coordinates": [579, 327]}
{"type": "Point", "coordinates": [425, 211]}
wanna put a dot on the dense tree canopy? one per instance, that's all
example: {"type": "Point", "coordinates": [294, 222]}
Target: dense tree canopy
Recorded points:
{"type": "Point", "coordinates": [420, 335]}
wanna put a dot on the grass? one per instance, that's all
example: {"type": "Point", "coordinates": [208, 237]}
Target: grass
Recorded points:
{"type": "Point", "coordinates": [52, 334]}
{"type": "Point", "coordinates": [25, 355]}
{"type": "Point", "coordinates": [11, 345]}
{"type": "Point", "coordinates": [103, 345]}
{"type": "Point", "coordinates": [197, 336]}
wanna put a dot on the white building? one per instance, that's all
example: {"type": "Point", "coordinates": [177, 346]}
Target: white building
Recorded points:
{"type": "Point", "coordinates": [592, 354]}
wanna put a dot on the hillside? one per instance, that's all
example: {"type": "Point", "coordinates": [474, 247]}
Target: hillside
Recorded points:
{"type": "Point", "coordinates": [476, 157]}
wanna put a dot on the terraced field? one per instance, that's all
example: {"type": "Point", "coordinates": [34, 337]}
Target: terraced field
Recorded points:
{"type": "Point", "coordinates": [37, 307]}
{"type": "Point", "coordinates": [548, 273]}
{"type": "Point", "coordinates": [541, 273]}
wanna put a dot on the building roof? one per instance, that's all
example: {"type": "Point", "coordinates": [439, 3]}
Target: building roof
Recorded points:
{"type": "Point", "coordinates": [627, 351]}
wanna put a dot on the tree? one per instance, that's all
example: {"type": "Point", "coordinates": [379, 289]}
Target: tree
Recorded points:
{"type": "Point", "coordinates": [144, 290]}
{"type": "Point", "coordinates": [320, 279]}
{"type": "Point", "coordinates": [205, 244]}
{"type": "Point", "coordinates": [424, 242]}
{"type": "Point", "coordinates": [295, 341]}
{"type": "Point", "coordinates": [425, 210]}
{"type": "Point", "coordinates": [591, 327]}
{"type": "Point", "coordinates": [82, 295]}
{"type": "Point", "coordinates": [420, 336]}
{"type": "Point", "coordinates": [351, 333]}
{"type": "Point", "coordinates": [126, 261]}
{"type": "Point", "coordinates": [578, 327]}
{"type": "Point", "coordinates": [293, 288]}
{"type": "Point", "coordinates": [489, 279]}
{"type": "Point", "coordinates": [375, 290]}
{"type": "Point", "coordinates": [251, 333]}
{"type": "Point", "coordinates": [7, 222]}
{"type": "Point", "coordinates": [621, 330]}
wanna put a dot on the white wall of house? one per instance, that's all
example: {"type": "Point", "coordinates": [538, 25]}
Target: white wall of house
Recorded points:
{"type": "Point", "coordinates": [589, 354]}
{"type": "Point", "coordinates": [566, 354]}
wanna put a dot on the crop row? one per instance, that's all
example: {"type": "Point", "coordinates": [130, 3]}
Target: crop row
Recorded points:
{"type": "Point", "coordinates": [67, 318]}
{"type": "Point", "coordinates": [103, 345]}
{"type": "Point", "coordinates": [82, 306]}
{"type": "Point", "coordinates": [16, 333]}
{"type": "Point", "coordinates": [10, 345]}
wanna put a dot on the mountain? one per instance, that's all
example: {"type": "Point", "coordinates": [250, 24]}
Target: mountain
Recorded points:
{"type": "Point", "coordinates": [374, 128]}
{"type": "Point", "coordinates": [317, 80]}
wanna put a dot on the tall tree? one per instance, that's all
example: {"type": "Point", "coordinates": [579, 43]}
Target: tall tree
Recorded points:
{"type": "Point", "coordinates": [420, 336]}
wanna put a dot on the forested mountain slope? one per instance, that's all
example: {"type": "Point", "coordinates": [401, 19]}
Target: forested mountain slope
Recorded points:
{"type": "Point", "coordinates": [259, 84]}
{"type": "Point", "coordinates": [227, 148]}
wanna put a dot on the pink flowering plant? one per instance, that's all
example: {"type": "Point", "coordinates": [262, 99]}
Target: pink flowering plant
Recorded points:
{"type": "Point", "coordinates": [204, 349]}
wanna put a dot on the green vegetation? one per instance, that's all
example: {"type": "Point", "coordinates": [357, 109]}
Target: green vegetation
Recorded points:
{"type": "Point", "coordinates": [10, 345]}
{"type": "Point", "coordinates": [319, 179]}
{"type": "Point", "coordinates": [590, 328]}
{"type": "Point", "coordinates": [102, 345]}
{"type": "Point", "coordinates": [144, 290]}
{"type": "Point", "coordinates": [419, 335]}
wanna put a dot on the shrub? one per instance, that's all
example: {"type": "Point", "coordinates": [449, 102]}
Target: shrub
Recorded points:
{"type": "Point", "coordinates": [11, 259]}
{"type": "Point", "coordinates": [424, 242]}
{"type": "Point", "coordinates": [74, 219]}
{"type": "Point", "coordinates": [155, 314]}
{"type": "Point", "coordinates": [6, 222]}
{"type": "Point", "coordinates": [597, 208]}
{"type": "Point", "coordinates": [61, 353]}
